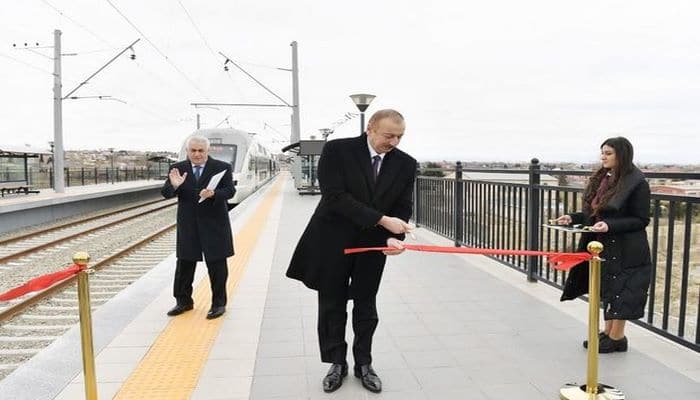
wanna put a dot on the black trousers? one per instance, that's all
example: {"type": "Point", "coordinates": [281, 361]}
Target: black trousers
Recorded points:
{"type": "Point", "coordinates": [357, 280]}
{"type": "Point", "coordinates": [184, 275]}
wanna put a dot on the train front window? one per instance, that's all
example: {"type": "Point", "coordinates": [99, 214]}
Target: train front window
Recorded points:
{"type": "Point", "coordinates": [224, 152]}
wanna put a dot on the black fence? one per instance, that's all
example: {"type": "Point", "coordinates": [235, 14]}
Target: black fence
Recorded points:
{"type": "Point", "coordinates": [43, 178]}
{"type": "Point", "coordinates": [509, 214]}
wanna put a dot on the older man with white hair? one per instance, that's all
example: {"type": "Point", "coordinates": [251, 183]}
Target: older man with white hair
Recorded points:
{"type": "Point", "coordinates": [202, 227]}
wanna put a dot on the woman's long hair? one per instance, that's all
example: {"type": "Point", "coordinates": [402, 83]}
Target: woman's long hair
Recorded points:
{"type": "Point", "coordinates": [624, 153]}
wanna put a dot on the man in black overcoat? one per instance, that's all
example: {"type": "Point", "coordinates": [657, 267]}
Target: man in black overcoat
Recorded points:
{"type": "Point", "coordinates": [367, 191]}
{"type": "Point", "coordinates": [202, 227]}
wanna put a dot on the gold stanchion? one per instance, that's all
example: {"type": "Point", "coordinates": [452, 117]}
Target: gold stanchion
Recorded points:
{"type": "Point", "coordinates": [592, 390]}
{"type": "Point", "coordinates": [82, 258]}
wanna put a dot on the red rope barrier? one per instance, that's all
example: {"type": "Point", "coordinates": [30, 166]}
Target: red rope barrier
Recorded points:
{"type": "Point", "coordinates": [560, 261]}
{"type": "Point", "coordinates": [41, 282]}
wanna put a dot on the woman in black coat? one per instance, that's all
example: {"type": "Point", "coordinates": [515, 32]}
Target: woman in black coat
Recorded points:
{"type": "Point", "coordinates": [616, 204]}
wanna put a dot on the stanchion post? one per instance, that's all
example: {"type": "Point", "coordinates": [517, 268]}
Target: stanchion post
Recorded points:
{"type": "Point", "coordinates": [84, 308]}
{"type": "Point", "coordinates": [416, 198]}
{"type": "Point", "coordinates": [459, 207]}
{"type": "Point", "coordinates": [595, 248]}
{"type": "Point", "coordinates": [592, 390]}
{"type": "Point", "coordinates": [533, 219]}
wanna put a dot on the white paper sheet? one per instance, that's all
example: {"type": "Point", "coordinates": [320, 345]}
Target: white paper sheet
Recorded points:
{"type": "Point", "coordinates": [213, 183]}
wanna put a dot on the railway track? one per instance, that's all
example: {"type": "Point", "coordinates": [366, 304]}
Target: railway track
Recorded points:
{"type": "Point", "coordinates": [32, 322]}
{"type": "Point", "coordinates": [32, 243]}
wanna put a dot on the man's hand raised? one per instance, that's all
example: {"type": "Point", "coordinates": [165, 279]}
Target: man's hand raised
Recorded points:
{"type": "Point", "coordinates": [175, 178]}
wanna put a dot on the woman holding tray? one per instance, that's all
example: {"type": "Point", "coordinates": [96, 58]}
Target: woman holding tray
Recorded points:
{"type": "Point", "coordinates": [616, 205]}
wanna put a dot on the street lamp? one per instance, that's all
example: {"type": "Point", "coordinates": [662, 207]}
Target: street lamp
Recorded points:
{"type": "Point", "coordinates": [111, 153]}
{"type": "Point", "coordinates": [51, 144]}
{"type": "Point", "coordinates": [362, 101]}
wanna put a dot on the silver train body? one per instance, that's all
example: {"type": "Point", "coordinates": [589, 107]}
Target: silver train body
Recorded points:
{"type": "Point", "coordinates": [252, 163]}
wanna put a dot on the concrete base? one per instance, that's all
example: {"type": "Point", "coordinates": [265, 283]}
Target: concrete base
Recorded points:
{"type": "Point", "coordinates": [574, 392]}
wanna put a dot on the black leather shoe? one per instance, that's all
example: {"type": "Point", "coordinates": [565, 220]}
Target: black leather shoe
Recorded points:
{"type": "Point", "coordinates": [609, 345]}
{"type": "Point", "coordinates": [334, 377]}
{"type": "Point", "coordinates": [369, 378]}
{"type": "Point", "coordinates": [601, 335]}
{"type": "Point", "coordinates": [179, 309]}
{"type": "Point", "coordinates": [216, 312]}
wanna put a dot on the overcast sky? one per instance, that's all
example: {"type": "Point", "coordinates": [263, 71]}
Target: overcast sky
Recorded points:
{"type": "Point", "coordinates": [476, 80]}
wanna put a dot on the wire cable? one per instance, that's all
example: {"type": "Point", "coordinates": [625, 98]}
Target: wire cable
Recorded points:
{"type": "Point", "coordinates": [26, 64]}
{"type": "Point", "coordinates": [206, 43]}
{"type": "Point", "coordinates": [38, 53]}
{"type": "Point", "coordinates": [187, 78]}
{"type": "Point", "coordinates": [98, 37]}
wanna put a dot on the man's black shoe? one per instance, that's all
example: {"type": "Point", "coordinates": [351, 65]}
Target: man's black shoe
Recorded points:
{"type": "Point", "coordinates": [369, 378]}
{"type": "Point", "coordinates": [334, 377]}
{"type": "Point", "coordinates": [216, 312]}
{"type": "Point", "coordinates": [179, 309]}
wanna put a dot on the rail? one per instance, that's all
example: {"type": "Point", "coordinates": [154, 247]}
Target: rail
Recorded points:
{"type": "Point", "coordinates": [4, 258]}
{"type": "Point", "coordinates": [31, 300]}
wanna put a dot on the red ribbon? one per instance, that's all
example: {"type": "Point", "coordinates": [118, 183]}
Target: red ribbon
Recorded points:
{"type": "Point", "coordinates": [560, 261]}
{"type": "Point", "coordinates": [41, 282]}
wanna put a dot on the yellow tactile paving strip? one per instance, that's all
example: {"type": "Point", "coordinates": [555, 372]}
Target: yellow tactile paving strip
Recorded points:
{"type": "Point", "coordinates": [171, 368]}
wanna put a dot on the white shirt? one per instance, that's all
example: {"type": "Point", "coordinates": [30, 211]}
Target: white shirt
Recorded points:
{"type": "Point", "coordinates": [194, 166]}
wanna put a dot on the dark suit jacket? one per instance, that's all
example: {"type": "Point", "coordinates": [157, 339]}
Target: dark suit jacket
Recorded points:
{"type": "Point", "coordinates": [350, 207]}
{"type": "Point", "coordinates": [202, 227]}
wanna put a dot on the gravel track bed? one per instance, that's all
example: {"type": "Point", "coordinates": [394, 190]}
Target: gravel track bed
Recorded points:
{"type": "Point", "coordinates": [98, 245]}
{"type": "Point", "coordinates": [73, 229]}
{"type": "Point", "coordinates": [61, 221]}
{"type": "Point", "coordinates": [25, 334]}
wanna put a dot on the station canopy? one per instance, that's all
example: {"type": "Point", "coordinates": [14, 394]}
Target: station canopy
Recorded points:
{"type": "Point", "coordinates": [162, 158]}
{"type": "Point", "coordinates": [9, 150]}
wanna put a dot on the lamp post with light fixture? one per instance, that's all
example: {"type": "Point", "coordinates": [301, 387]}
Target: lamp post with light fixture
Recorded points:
{"type": "Point", "coordinates": [362, 101]}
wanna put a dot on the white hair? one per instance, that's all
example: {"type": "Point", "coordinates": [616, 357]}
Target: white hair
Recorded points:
{"type": "Point", "coordinates": [198, 139]}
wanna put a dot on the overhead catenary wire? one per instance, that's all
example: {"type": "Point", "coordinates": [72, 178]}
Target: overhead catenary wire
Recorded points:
{"type": "Point", "coordinates": [94, 89]}
{"type": "Point", "coordinates": [101, 39]}
{"type": "Point", "coordinates": [263, 66]}
{"type": "Point", "coordinates": [34, 67]}
{"type": "Point", "coordinates": [26, 64]}
{"type": "Point", "coordinates": [142, 108]}
{"type": "Point", "coordinates": [81, 53]}
{"type": "Point", "coordinates": [37, 53]}
{"type": "Point", "coordinates": [83, 27]}
{"type": "Point", "coordinates": [206, 43]}
{"type": "Point", "coordinates": [196, 28]}
{"type": "Point", "coordinates": [101, 68]}
{"type": "Point", "coordinates": [228, 59]}
{"type": "Point", "coordinates": [157, 49]}
{"type": "Point", "coordinates": [224, 120]}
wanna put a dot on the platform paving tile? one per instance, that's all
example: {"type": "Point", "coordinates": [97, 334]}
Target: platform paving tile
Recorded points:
{"type": "Point", "coordinates": [449, 329]}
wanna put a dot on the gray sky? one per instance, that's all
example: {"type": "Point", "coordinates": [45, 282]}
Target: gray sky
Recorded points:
{"type": "Point", "coordinates": [476, 80]}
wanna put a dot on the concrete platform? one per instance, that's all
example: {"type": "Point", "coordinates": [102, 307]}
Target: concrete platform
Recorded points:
{"type": "Point", "coordinates": [18, 211]}
{"type": "Point", "coordinates": [451, 327]}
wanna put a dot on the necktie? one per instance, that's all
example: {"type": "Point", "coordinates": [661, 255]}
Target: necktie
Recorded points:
{"type": "Point", "coordinates": [197, 171]}
{"type": "Point", "coordinates": [376, 160]}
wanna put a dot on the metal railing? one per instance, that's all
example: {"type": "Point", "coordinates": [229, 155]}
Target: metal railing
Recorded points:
{"type": "Point", "coordinates": [42, 178]}
{"type": "Point", "coordinates": [509, 215]}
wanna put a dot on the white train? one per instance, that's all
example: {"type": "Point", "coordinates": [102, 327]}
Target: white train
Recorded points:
{"type": "Point", "coordinates": [252, 163]}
